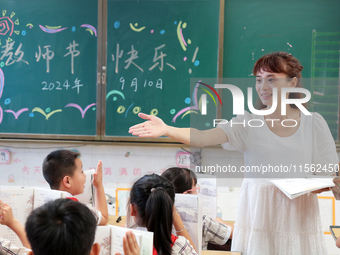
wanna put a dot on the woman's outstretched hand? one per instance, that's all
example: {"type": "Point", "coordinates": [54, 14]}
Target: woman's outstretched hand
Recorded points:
{"type": "Point", "coordinates": [153, 127]}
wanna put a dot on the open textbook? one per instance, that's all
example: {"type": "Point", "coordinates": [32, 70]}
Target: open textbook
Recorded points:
{"type": "Point", "coordinates": [110, 239]}
{"type": "Point", "coordinates": [23, 201]}
{"type": "Point", "coordinates": [189, 207]}
{"type": "Point", "coordinates": [88, 196]}
{"type": "Point", "coordinates": [208, 195]}
{"type": "Point", "coordinates": [295, 187]}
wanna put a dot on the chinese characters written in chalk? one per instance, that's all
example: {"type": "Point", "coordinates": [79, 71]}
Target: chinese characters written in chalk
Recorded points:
{"type": "Point", "coordinates": [158, 59]}
{"type": "Point", "coordinates": [12, 55]}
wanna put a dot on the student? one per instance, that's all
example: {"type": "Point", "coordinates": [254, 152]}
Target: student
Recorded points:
{"type": "Point", "coordinates": [67, 227]}
{"type": "Point", "coordinates": [152, 204]}
{"type": "Point", "coordinates": [7, 219]}
{"type": "Point", "coordinates": [63, 170]}
{"type": "Point", "coordinates": [185, 181]}
{"type": "Point", "coordinates": [267, 221]}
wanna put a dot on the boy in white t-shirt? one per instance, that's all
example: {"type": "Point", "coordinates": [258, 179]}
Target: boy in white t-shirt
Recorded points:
{"type": "Point", "coordinates": [63, 170]}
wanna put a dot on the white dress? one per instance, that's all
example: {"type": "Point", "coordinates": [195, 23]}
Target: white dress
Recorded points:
{"type": "Point", "coordinates": [268, 222]}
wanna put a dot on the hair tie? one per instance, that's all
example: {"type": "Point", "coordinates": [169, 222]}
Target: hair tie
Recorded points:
{"type": "Point", "coordinates": [156, 186]}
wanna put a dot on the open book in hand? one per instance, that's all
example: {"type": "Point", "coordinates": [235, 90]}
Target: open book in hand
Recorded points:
{"type": "Point", "coordinates": [23, 200]}
{"type": "Point", "coordinates": [87, 197]}
{"type": "Point", "coordinates": [189, 207]}
{"type": "Point", "coordinates": [295, 187]}
{"type": "Point", "coordinates": [110, 239]}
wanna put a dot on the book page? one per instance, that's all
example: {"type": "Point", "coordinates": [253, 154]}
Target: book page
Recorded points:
{"type": "Point", "coordinates": [41, 196]}
{"type": "Point", "coordinates": [147, 244]}
{"type": "Point", "coordinates": [208, 195]}
{"type": "Point", "coordinates": [117, 234]}
{"type": "Point", "coordinates": [87, 197]}
{"type": "Point", "coordinates": [189, 207]}
{"type": "Point", "coordinates": [298, 186]}
{"type": "Point", "coordinates": [327, 180]}
{"type": "Point", "coordinates": [103, 237]}
{"type": "Point", "coordinates": [21, 201]}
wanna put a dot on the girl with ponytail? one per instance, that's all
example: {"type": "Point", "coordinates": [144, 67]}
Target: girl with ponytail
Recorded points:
{"type": "Point", "coordinates": [152, 204]}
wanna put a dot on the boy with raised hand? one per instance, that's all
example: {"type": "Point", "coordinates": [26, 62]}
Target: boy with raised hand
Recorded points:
{"type": "Point", "coordinates": [63, 170]}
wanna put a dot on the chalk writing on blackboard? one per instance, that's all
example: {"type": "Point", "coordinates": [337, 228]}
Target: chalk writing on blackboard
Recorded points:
{"type": "Point", "coordinates": [14, 50]}
{"type": "Point", "coordinates": [47, 112]}
{"type": "Point", "coordinates": [80, 109]}
{"type": "Point", "coordinates": [2, 83]}
{"type": "Point", "coordinates": [17, 114]}
{"type": "Point", "coordinates": [12, 57]}
{"type": "Point", "coordinates": [8, 25]}
{"type": "Point", "coordinates": [17, 56]}
{"type": "Point", "coordinates": [126, 57]}
{"type": "Point", "coordinates": [90, 28]}
{"type": "Point", "coordinates": [52, 30]}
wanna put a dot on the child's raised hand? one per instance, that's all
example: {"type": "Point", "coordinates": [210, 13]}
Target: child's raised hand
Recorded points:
{"type": "Point", "coordinates": [153, 127]}
{"type": "Point", "coordinates": [7, 218]}
{"type": "Point", "coordinates": [130, 245]}
{"type": "Point", "coordinates": [100, 199]}
{"type": "Point", "coordinates": [7, 215]}
{"type": "Point", "coordinates": [98, 175]}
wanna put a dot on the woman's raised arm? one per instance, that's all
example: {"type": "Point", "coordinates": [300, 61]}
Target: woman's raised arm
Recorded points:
{"type": "Point", "coordinates": [155, 127]}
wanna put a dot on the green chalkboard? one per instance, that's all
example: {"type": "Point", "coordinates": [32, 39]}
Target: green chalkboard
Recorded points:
{"type": "Point", "coordinates": [155, 50]}
{"type": "Point", "coordinates": [310, 30]}
{"type": "Point", "coordinates": [48, 61]}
